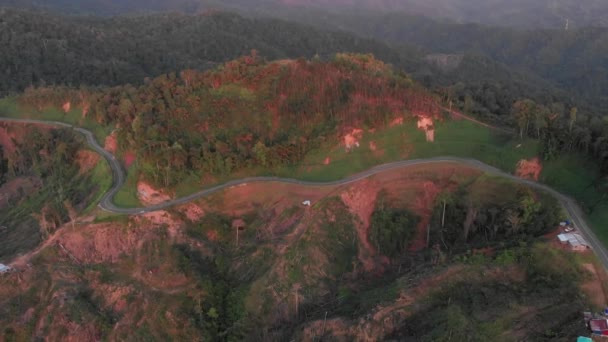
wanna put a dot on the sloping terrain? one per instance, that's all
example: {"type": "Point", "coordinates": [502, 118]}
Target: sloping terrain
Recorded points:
{"type": "Point", "coordinates": [303, 272]}
{"type": "Point", "coordinates": [46, 179]}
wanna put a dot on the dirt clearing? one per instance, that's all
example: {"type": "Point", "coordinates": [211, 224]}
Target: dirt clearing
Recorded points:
{"type": "Point", "coordinates": [593, 288]}
{"type": "Point", "coordinates": [529, 169]}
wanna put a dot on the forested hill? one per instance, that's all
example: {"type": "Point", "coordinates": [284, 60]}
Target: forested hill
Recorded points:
{"type": "Point", "coordinates": [247, 113]}
{"type": "Point", "coordinates": [574, 60]}
{"type": "Point", "coordinates": [40, 48]}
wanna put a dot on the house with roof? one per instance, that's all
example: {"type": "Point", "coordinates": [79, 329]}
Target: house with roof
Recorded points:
{"type": "Point", "coordinates": [574, 240]}
{"type": "Point", "coordinates": [599, 326]}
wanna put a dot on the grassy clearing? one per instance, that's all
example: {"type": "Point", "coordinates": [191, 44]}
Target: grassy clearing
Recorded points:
{"type": "Point", "coordinates": [127, 196]}
{"type": "Point", "coordinates": [10, 108]}
{"type": "Point", "coordinates": [102, 177]}
{"type": "Point", "coordinates": [453, 138]}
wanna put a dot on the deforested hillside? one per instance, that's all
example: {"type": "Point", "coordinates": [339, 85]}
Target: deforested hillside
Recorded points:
{"type": "Point", "coordinates": [251, 263]}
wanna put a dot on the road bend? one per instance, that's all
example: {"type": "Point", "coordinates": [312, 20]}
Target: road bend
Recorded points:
{"type": "Point", "coordinates": [118, 180]}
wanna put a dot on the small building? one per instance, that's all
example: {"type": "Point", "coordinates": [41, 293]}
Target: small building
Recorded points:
{"type": "Point", "coordinates": [5, 269]}
{"type": "Point", "coordinates": [575, 241]}
{"type": "Point", "coordinates": [599, 326]}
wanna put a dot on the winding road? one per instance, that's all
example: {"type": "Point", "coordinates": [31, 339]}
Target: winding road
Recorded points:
{"type": "Point", "coordinates": [118, 176]}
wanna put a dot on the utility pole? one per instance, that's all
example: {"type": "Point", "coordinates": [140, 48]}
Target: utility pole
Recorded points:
{"type": "Point", "coordinates": [443, 216]}
{"type": "Point", "coordinates": [297, 288]}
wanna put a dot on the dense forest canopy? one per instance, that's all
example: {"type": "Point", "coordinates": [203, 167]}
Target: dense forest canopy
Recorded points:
{"type": "Point", "coordinates": [573, 60]}
{"type": "Point", "coordinates": [41, 49]}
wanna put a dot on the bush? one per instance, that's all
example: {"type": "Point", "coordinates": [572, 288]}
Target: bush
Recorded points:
{"type": "Point", "coordinates": [391, 229]}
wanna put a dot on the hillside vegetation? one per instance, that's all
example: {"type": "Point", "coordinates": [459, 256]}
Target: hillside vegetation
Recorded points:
{"type": "Point", "coordinates": [246, 114]}
{"type": "Point", "coordinates": [305, 273]}
{"type": "Point", "coordinates": [46, 180]}
{"type": "Point", "coordinates": [252, 115]}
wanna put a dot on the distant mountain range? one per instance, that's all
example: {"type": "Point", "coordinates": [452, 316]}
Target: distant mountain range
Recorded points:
{"type": "Point", "coordinates": [511, 13]}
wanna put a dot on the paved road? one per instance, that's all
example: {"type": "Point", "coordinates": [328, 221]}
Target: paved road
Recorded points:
{"type": "Point", "coordinates": [106, 203]}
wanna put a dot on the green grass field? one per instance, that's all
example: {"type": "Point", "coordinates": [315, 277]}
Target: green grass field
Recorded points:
{"type": "Point", "coordinates": [127, 196]}
{"type": "Point", "coordinates": [10, 108]}
{"type": "Point", "coordinates": [570, 173]}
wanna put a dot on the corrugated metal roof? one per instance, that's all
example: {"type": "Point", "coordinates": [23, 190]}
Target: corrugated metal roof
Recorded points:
{"type": "Point", "coordinates": [4, 268]}
{"type": "Point", "coordinates": [573, 239]}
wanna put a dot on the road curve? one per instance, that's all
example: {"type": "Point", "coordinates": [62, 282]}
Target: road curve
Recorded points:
{"type": "Point", "coordinates": [118, 176]}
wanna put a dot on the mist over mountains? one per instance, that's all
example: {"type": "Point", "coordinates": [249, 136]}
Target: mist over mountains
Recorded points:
{"type": "Point", "coordinates": [509, 13]}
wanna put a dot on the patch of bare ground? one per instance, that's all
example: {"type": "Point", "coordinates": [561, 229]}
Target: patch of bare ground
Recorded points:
{"type": "Point", "coordinates": [192, 211]}
{"type": "Point", "coordinates": [87, 160]}
{"type": "Point", "coordinates": [245, 198]}
{"type": "Point", "coordinates": [148, 195]}
{"type": "Point", "coordinates": [352, 138]}
{"type": "Point", "coordinates": [529, 169]}
{"type": "Point", "coordinates": [361, 201]}
{"type": "Point", "coordinates": [592, 286]}
{"type": "Point", "coordinates": [111, 144]}
{"type": "Point", "coordinates": [426, 124]}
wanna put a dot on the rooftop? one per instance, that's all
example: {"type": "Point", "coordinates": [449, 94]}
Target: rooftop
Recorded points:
{"type": "Point", "coordinates": [573, 239]}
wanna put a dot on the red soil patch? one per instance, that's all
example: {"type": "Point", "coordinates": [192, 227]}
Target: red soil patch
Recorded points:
{"type": "Point", "coordinates": [425, 201]}
{"type": "Point", "coordinates": [87, 160]}
{"type": "Point", "coordinates": [351, 140]}
{"type": "Point", "coordinates": [67, 106]}
{"type": "Point", "coordinates": [529, 169]}
{"type": "Point", "coordinates": [397, 122]}
{"type": "Point", "coordinates": [85, 109]}
{"type": "Point", "coordinates": [99, 243]}
{"type": "Point", "coordinates": [361, 201]}
{"type": "Point", "coordinates": [162, 218]}
{"type": "Point", "coordinates": [129, 159]}
{"type": "Point", "coordinates": [110, 144]}
{"type": "Point", "coordinates": [372, 146]}
{"type": "Point", "coordinates": [242, 199]}
{"type": "Point", "coordinates": [192, 211]}
{"type": "Point", "coordinates": [150, 196]}
{"type": "Point", "coordinates": [593, 287]}
{"type": "Point", "coordinates": [426, 124]}
{"type": "Point", "coordinates": [6, 140]}
{"type": "Point", "coordinates": [327, 161]}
